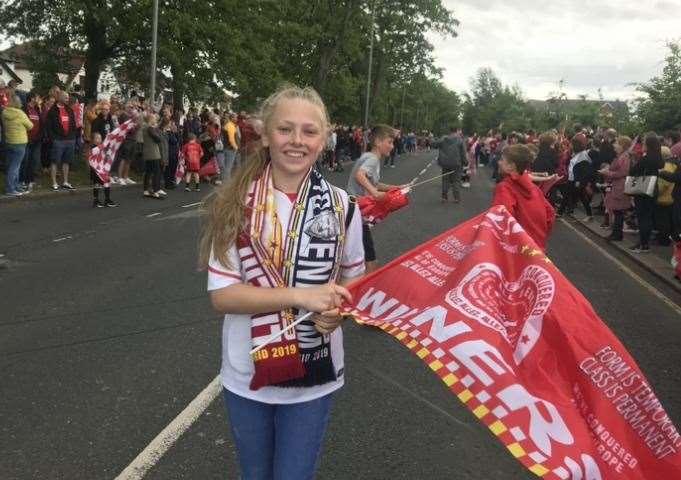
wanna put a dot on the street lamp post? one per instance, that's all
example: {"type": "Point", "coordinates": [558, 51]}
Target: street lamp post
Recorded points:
{"type": "Point", "coordinates": [371, 59]}
{"type": "Point", "coordinates": [154, 36]}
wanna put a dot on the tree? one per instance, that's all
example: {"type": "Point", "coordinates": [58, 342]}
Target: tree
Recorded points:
{"type": "Point", "coordinates": [660, 108]}
{"type": "Point", "coordinates": [100, 28]}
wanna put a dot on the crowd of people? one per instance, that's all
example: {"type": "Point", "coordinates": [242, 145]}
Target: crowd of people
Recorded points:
{"type": "Point", "coordinates": [49, 133]}
{"type": "Point", "coordinates": [634, 183]}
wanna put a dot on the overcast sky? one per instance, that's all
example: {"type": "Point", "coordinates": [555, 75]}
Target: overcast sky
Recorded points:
{"type": "Point", "coordinates": [589, 44]}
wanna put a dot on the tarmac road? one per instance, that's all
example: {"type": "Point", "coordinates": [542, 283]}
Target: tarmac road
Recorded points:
{"type": "Point", "coordinates": [106, 334]}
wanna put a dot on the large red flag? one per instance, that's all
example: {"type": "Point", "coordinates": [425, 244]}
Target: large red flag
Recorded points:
{"type": "Point", "coordinates": [518, 344]}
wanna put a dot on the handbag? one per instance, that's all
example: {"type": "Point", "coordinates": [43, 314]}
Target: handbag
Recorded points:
{"type": "Point", "coordinates": [210, 169]}
{"type": "Point", "coordinates": [644, 185]}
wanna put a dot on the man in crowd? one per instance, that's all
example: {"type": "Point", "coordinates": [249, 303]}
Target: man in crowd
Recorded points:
{"type": "Point", "coordinates": [233, 140]}
{"type": "Point", "coordinates": [61, 130]}
{"type": "Point", "coordinates": [451, 158]}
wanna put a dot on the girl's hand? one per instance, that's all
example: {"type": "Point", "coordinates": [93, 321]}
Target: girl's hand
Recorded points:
{"type": "Point", "coordinates": [327, 322]}
{"type": "Point", "coordinates": [323, 298]}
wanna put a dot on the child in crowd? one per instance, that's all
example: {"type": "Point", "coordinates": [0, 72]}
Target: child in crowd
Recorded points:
{"type": "Point", "coordinates": [192, 152]}
{"type": "Point", "coordinates": [97, 183]}
{"type": "Point", "coordinates": [284, 391]}
{"type": "Point", "coordinates": [365, 179]}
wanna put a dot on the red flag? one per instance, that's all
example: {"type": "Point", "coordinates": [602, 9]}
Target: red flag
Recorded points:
{"type": "Point", "coordinates": [518, 344]}
{"type": "Point", "coordinates": [102, 156]}
{"type": "Point", "coordinates": [374, 211]}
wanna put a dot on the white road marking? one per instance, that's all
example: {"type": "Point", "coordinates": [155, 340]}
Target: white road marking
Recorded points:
{"type": "Point", "coordinates": [169, 435]}
{"type": "Point", "coordinates": [192, 205]}
{"type": "Point", "coordinates": [153, 214]}
{"type": "Point", "coordinates": [61, 239]}
{"type": "Point", "coordinates": [626, 269]}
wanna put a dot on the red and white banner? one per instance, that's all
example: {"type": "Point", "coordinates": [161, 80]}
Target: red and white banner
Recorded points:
{"type": "Point", "coordinates": [102, 156]}
{"type": "Point", "coordinates": [518, 344]}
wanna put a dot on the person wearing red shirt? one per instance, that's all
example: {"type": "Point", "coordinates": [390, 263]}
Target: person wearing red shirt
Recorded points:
{"type": "Point", "coordinates": [522, 198]}
{"type": "Point", "coordinates": [192, 152]}
{"type": "Point", "coordinates": [60, 127]}
{"type": "Point", "coordinates": [31, 164]}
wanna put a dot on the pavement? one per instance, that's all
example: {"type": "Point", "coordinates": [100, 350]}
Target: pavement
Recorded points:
{"type": "Point", "coordinates": [107, 334]}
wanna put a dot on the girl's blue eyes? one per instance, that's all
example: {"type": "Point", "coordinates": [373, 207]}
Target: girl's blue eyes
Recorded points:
{"type": "Point", "coordinates": [288, 130]}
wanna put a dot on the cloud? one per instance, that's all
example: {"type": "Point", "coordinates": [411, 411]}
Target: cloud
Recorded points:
{"type": "Point", "coordinates": [609, 45]}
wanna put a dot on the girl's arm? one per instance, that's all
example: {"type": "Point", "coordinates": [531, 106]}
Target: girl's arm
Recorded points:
{"type": "Point", "coordinates": [248, 299]}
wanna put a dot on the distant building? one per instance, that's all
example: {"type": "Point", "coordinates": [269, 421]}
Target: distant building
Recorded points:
{"type": "Point", "coordinates": [606, 108]}
{"type": "Point", "coordinates": [17, 58]}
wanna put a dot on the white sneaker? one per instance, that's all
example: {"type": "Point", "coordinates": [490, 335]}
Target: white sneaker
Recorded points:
{"type": "Point", "coordinates": [31, 186]}
{"type": "Point", "coordinates": [14, 194]}
{"type": "Point", "coordinates": [162, 192]}
{"type": "Point", "coordinates": [55, 186]}
{"type": "Point", "coordinates": [115, 179]}
{"type": "Point", "coordinates": [218, 182]}
{"type": "Point", "coordinates": [67, 186]}
{"type": "Point", "coordinates": [129, 181]}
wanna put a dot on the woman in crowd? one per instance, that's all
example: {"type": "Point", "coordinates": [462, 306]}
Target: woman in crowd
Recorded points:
{"type": "Point", "coordinates": [522, 198]}
{"type": "Point", "coordinates": [665, 200]}
{"type": "Point", "coordinates": [649, 165]}
{"type": "Point", "coordinates": [151, 151]}
{"type": "Point", "coordinates": [15, 127]}
{"type": "Point", "coordinates": [31, 165]}
{"type": "Point", "coordinates": [616, 202]}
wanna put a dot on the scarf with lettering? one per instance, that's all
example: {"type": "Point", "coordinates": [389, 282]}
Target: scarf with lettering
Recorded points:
{"type": "Point", "coordinates": [305, 252]}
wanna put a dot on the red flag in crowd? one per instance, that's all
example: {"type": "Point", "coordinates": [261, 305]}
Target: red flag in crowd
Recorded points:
{"type": "Point", "coordinates": [518, 344]}
{"type": "Point", "coordinates": [102, 156]}
{"type": "Point", "coordinates": [374, 211]}
{"type": "Point", "coordinates": [180, 169]}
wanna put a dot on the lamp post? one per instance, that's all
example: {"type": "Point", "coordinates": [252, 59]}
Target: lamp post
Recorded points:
{"type": "Point", "coordinates": [154, 36]}
{"type": "Point", "coordinates": [371, 59]}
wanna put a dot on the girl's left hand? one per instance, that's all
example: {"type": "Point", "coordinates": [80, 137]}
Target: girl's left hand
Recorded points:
{"type": "Point", "coordinates": [327, 322]}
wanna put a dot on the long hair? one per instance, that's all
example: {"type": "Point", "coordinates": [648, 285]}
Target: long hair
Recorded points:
{"type": "Point", "coordinates": [224, 208]}
{"type": "Point", "coordinates": [653, 148]}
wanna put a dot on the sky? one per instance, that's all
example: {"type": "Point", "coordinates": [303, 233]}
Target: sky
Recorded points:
{"type": "Point", "coordinates": [607, 44]}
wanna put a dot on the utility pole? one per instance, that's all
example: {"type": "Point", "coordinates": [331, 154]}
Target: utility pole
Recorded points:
{"type": "Point", "coordinates": [154, 36]}
{"type": "Point", "coordinates": [371, 59]}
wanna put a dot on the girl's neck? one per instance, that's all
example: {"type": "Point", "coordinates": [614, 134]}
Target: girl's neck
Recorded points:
{"type": "Point", "coordinates": [377, 153]}
{"type": "Point", "coordinates": [286, 183]}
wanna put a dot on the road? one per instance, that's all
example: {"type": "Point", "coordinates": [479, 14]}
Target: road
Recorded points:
{"type": "Point", "coordinates": [106, 334]}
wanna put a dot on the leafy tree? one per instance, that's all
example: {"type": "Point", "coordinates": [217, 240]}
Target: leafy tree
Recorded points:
{"type": "Point", "coordinates": [660, 108]}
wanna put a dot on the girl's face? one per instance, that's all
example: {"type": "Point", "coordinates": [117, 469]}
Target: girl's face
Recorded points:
{"type": "Point", "coordinates": [618, 149]}
{"type": "Point", "coordinates": [295, 136]}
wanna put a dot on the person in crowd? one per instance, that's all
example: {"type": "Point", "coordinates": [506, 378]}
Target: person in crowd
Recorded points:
{"type": "Point", "coordinates": [89, 116]}
{"type": "Point", "coordinates": [451, 158]}
{"type": "Point", "coordinates": [247, 133]}
{"type": "Point", "coordinates": [649, 165]}
{"type": "Point", "coordinates": [673, 141]}
{"type": "Point", "coordinates": [579, 173]}
{"type": "Point", "coordinates": [615, 173]}
{"type": "Point", "coordinates": [663, 217]}
{"type": "Point", "coordinates": [97, 183]}
{"type": "Point", "coordinates": [172, 133]}
{"type": "Point", "coordinates": [192, 152]}
{"type": "Point", "coordinates": [127, 151]}
{"type": "Point", "coordinates": [15, 126]}
{"type": "Point", "coordinates": [164, 128]}
{"type": "Point", "coordinates": [260, 402]}
{"type": "Point", "coordinates": [61, 130]}
{"type": "Point", "coordinates": [521, 197]}
{"type": "Point", "coordinates": [232, 146]}
{"type": "Point", "coordinates": [365, 179]}
{"type": "Point", "coordinates": [152, 158]}
{"type": "Point", "coordinates": [31, 165]}
{"type": "Point", "coordinates": [547, 156]}
{"type": "Point", "coordinates": [673, 175]}
{"type": "Point", "coordinates": [103, 122]}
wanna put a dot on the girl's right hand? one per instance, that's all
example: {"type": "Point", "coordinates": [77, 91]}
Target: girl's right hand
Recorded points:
{"type": "Point", "coordinates": [323, 298]}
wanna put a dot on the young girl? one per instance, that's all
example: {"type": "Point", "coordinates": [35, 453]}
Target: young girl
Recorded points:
{"type": "Point", "coordinates": [279, 242]}
{"type": "Point", "coordinates": [97, 183]}
{"type": "Point", "coordinates": [192, 152]}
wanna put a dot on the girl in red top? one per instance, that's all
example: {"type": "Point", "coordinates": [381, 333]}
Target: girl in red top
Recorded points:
{"type": "Point", "coordinates": [522, 198]}
{"type": "Point", "coordinates": [192, 152]}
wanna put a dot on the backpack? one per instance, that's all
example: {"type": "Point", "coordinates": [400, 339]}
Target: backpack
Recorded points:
{"type": "Point", "coordinates": [665, 188]}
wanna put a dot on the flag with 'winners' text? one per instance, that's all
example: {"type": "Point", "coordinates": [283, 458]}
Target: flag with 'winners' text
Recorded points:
{"type": "Point", "coordinates": [518, 344]}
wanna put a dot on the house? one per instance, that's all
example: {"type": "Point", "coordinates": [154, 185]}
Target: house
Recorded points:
{"type": "Point", "coordinates": [17, 58]}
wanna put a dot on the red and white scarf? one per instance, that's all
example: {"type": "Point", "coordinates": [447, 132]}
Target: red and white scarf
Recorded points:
{"type": "Point", "coordinates": [306, 252]}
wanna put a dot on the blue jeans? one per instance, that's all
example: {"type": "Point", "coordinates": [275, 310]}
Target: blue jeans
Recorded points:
{"type": "Point", "coordinates": [14, 154]}
{"type": "Point", "coordinates": [277, 442]}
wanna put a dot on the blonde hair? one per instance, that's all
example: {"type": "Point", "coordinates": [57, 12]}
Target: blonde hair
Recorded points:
{"type": "Point", "coordinates": [624, 142]}
{"type": "Point", "coordinates": [666, 152]}
{"type": "Point", "coordinates": [224, 208]}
